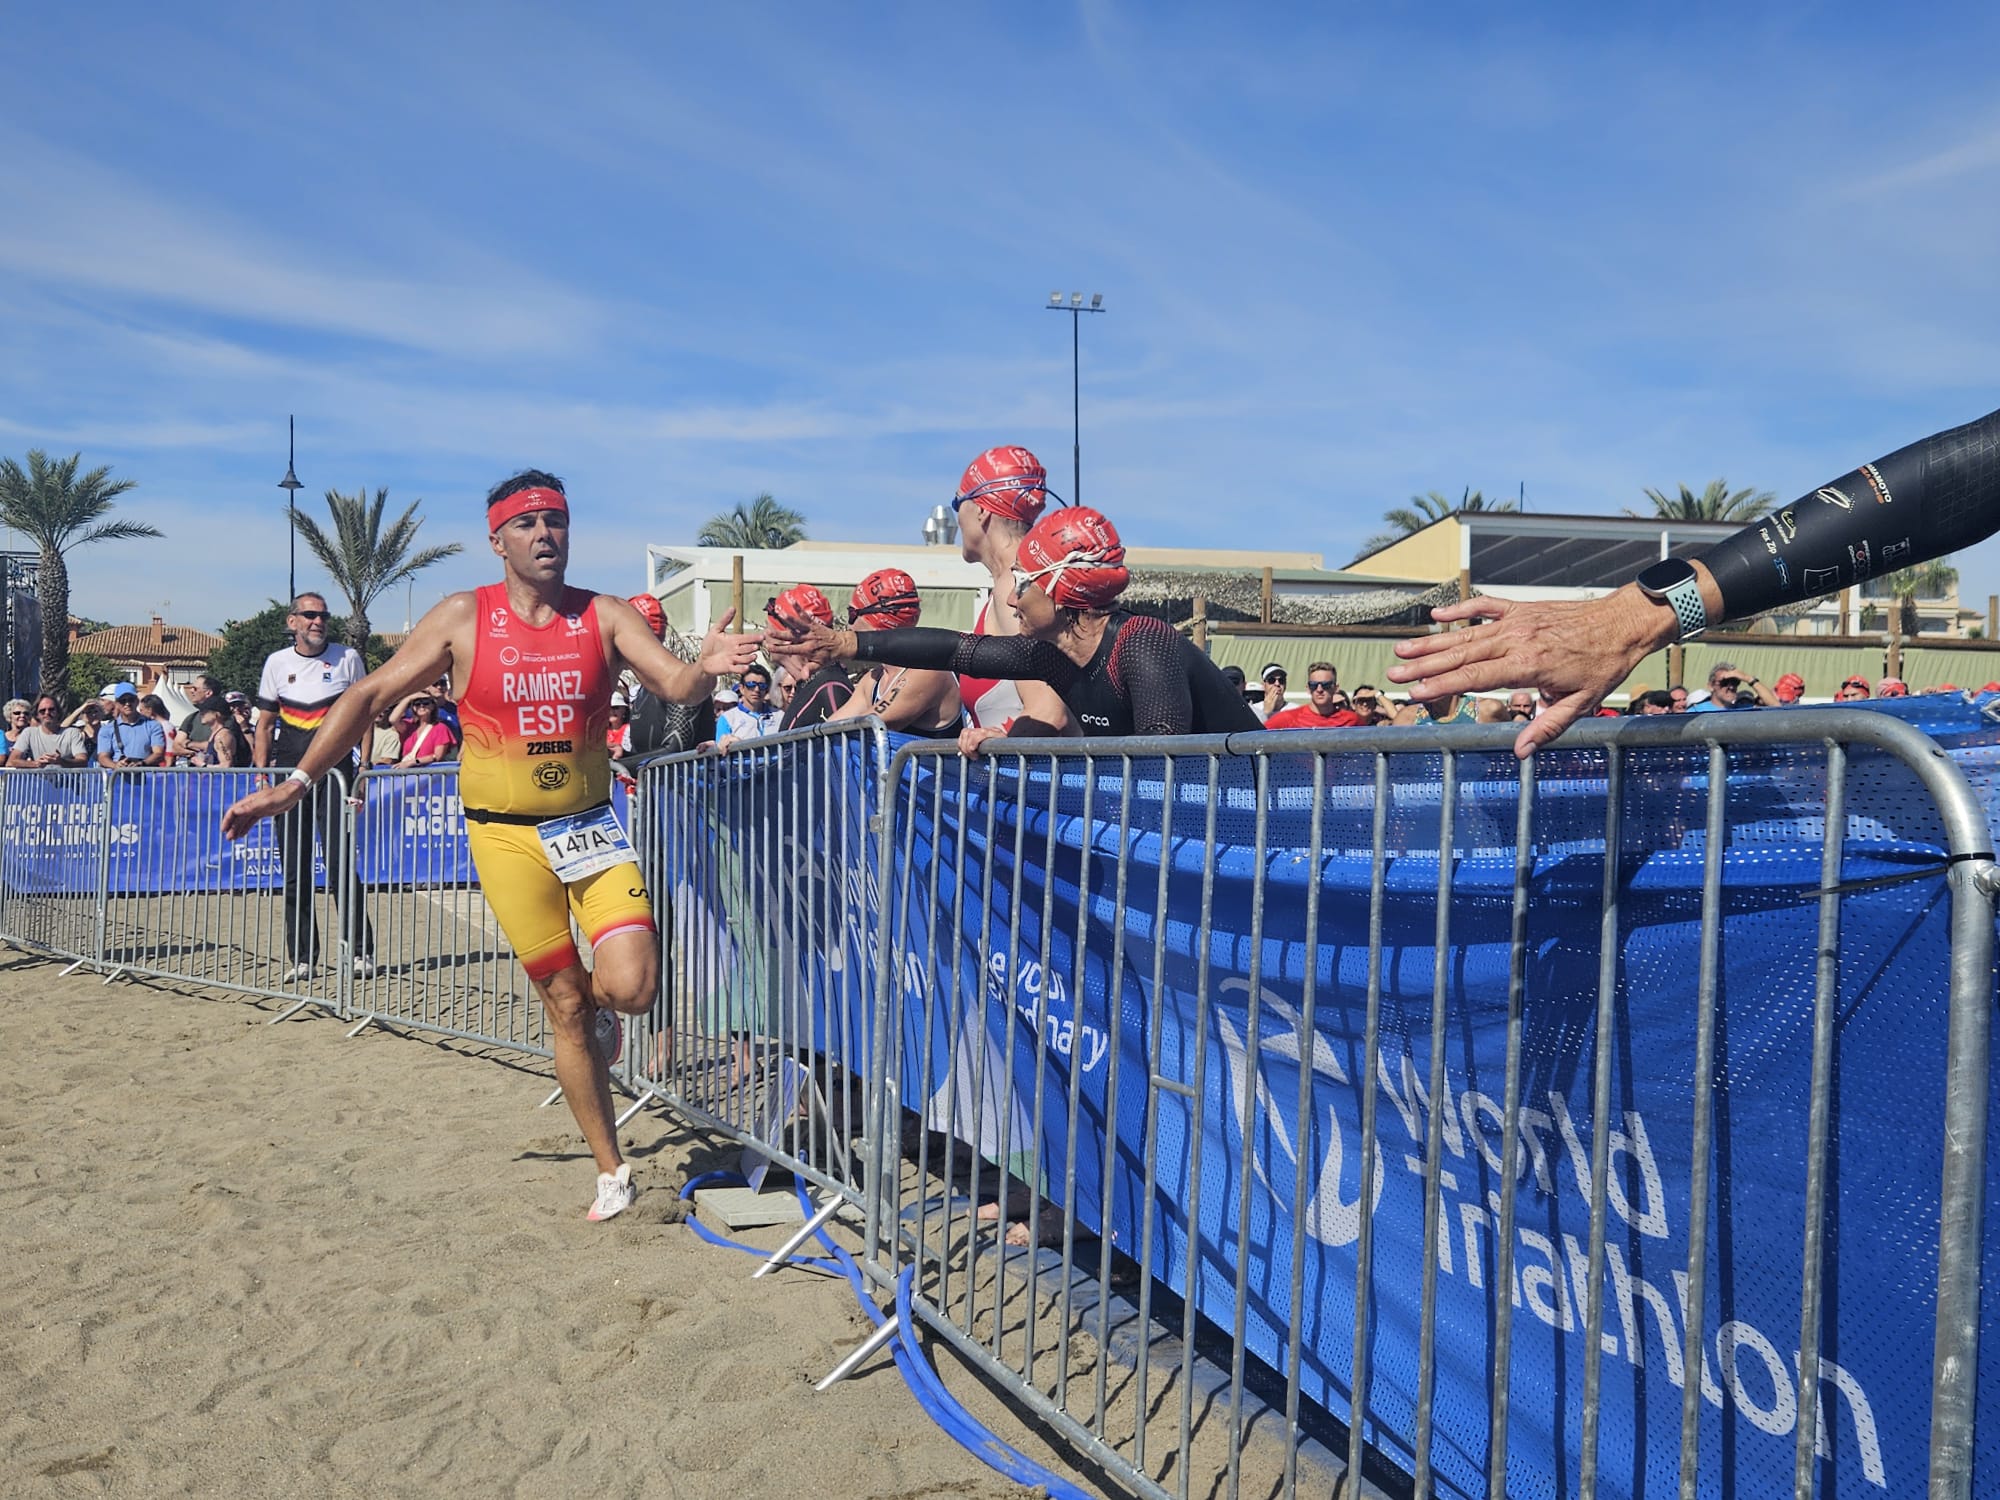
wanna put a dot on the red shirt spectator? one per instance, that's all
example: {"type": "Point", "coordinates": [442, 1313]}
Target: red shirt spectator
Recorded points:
{"type": "Point", "coordinates": [1326, 708]}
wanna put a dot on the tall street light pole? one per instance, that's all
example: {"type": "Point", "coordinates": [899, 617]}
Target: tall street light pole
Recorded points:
{"type": "Point", "coordinates": [291, 486]}
{"type": "Point", "coordinates": [1075, 308]}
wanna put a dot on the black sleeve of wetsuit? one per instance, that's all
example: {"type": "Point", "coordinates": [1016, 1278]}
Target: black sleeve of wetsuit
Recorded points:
{"type": "Point", "coordinates": [1013, 657]}
{"type": "Point", "coordinates": [1933, 497]}
{"type": "Point", "coordinates": [1147, 670]}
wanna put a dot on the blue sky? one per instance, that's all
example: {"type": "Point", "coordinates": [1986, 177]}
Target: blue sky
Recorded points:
{"type": "Point", "coordinates": [681, 255]}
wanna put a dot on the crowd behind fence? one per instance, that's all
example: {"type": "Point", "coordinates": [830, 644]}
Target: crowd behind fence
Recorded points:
{"type": "Point", "coordinates": [1509, 1129]}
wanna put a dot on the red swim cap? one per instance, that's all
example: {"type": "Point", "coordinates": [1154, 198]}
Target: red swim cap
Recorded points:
{"type": "Point", "coordinates": [1008, 482]}
{"type": "Point", "coordinates": [651, 612]}
{"type": "Point", "coordinates": [886, 599]}
{"type": "Point", "coordinates": [1076, 557]}
{"type": "Point", "coordinates": [801, 602]}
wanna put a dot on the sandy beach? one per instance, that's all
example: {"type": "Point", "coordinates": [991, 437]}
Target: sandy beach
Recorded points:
{"type": "Point", "coordinates": [246, 1260]}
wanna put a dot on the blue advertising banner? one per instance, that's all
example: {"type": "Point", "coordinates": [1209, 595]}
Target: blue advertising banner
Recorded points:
{"type": "Point", "coordinates": [163, 832]}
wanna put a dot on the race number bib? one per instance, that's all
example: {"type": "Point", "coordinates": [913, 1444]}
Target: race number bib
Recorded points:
{"type": "Point", "coordinates": [579, 845]}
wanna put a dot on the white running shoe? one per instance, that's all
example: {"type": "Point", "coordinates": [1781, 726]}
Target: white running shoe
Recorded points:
{"type": "Point", "coordinates": [295, 973]}
{"type": "Point", "coordinates": [615, 1194]}
{"type": "Point", "coordinates": [364, 968]}
{"type": "Point", "coordinates": [609, 1032]}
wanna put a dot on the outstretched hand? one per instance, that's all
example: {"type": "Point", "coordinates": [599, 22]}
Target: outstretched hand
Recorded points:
{"type": "Point", "coordinates": [1572, 652]}
{"type": "Point", "coordinates": [810, 640]}
{"type": "Point", "coordinates": [725, 655]}
{"type": "Point", "coordinates": [245, 813]}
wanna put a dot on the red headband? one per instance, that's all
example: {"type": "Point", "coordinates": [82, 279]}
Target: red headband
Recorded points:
{"type": "Point", "coordinates": [503, 510]}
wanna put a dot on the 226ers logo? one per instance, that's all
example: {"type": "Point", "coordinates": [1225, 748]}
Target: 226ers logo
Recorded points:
{"type": "Point", "coordinates": [551, 775]}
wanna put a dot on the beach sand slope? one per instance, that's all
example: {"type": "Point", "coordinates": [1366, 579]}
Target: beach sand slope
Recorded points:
{"type": "Point", "coordinates": [247, 1260]}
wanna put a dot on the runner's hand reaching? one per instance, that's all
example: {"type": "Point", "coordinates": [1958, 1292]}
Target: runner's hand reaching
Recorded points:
{"type": "Point", "coordinates": [277, 796]}
{"type": "Point", "coordinates": [725, 655]}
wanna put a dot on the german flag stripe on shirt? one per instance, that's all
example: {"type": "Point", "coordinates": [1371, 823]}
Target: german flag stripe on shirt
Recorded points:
{"type": "Point", "coordinates": [303, 717]}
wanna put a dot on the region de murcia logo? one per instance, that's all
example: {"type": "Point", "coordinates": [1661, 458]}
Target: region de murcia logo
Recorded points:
{"type": "Point", "coordinates": [509, 656]}
{"type": "Point", "coordinates": [551, 775]}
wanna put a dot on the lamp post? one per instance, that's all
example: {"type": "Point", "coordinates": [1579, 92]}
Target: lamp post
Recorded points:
{"type": "Point", "coordinates": [291, 486]}
{"type": "Point", "coordinates": [1075, 308]}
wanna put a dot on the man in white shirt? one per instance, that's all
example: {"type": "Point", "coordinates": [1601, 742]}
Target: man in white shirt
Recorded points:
{"type": "Point", "coordinates": [299, 685]}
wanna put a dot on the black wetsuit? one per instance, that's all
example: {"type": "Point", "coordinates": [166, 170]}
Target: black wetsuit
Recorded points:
{"type": "Point", "coordinates": [817, 698]}
{"type": "Point", "coordinates": [1146, 677]}
{"type": "Point", "coordinates": [1934, 496]}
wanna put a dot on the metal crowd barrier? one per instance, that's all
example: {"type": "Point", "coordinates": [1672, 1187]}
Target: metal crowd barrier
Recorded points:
{"type": "Point", "coordinates": [436, 960]}
{"type": "Point", "coordinates": [761, 861]}
{"type": "Point", "coordinates": [169, 896]}
{"type": "Point", "coordinates": [1061, 991]}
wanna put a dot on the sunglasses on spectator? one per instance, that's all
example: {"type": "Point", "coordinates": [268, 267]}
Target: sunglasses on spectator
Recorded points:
{"type": "Point", "coordinates": [313, 614]}
{"type": "Point", "coordinates": [1316, 683]}
{"type": "Point", "coordinates": [755, 685]}
{"type": "Point", "coordinates": [44, 710]}
{"type": "Point", "coordinates": [1854, 682]}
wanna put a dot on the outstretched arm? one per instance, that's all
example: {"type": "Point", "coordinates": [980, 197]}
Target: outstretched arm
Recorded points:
{"type": "Point", "coordinates": [424, 657]}
{"type": "Point", "coordinates": [664, 674]}
{"type": "Point", "coordinates": [1932, 497]}
{"type": "Point", "coordinates": [1012, 657]}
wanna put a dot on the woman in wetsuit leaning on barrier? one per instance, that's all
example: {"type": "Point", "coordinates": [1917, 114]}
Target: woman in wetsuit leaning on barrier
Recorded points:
{"type": "Point", "coordinates": [1118, 673]}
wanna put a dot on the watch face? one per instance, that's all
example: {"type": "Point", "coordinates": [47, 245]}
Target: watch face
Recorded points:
{"type": "Point", "coordinates": [1663, 575]}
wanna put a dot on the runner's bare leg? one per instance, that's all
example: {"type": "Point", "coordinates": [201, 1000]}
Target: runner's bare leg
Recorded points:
{"type": "Point", "coordinates": [586, 1082]}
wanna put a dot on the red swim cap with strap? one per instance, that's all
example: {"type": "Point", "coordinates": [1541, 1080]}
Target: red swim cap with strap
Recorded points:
{"type": "Point", "coordinates": [886, 599]}
{"type": "Point", "coordinates": [1076, 557]}
{"type": "Point", "coordinates": [651, 612]}
{"type": "Point", "coordinates": [800, 603]}
{"type": "Point", "coordinates": [1008, 482]}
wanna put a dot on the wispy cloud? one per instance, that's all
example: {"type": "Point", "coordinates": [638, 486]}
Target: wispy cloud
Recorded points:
{"type": "Point", "coordinates": [200, 255]}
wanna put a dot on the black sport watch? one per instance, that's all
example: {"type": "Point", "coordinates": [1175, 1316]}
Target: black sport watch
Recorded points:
{"type": "Point", "coordinates": [1672, 582]}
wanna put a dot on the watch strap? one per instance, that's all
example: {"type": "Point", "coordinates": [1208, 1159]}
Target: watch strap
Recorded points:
{"type": "Point", "coordinates": [1689, 611]}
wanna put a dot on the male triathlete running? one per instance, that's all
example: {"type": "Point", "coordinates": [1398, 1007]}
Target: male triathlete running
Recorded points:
{"type": "Point", "coordinates": [1937, 495]}
{"type": "Point", "coordinates": [1001, 495]}
{"type": "Point", "coordinates": [909, 699]}
{"type": "Point", "coordinates": [532, 662]}
{"type": "Point", "coordinates": [1117, 673]}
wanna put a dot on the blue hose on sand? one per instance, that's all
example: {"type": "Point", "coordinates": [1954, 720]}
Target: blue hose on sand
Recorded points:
{"type": "Point", "coordinates": [930, 1394]}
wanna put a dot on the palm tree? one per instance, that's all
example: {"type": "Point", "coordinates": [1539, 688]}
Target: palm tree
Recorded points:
{"type": "Point", "coordinates": [56, 510]}
{"type": "Point", "coordinates": [749, 528]}
{"type": "Point", "coordinates": [1925, 580]}
{"type": "Point", "coordinates": [363, 559]}
{"type": "Point", "coordinates": [1426, 510]}
{"type": "Point", "coordinates": [1714, 503]}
